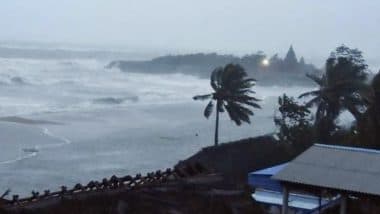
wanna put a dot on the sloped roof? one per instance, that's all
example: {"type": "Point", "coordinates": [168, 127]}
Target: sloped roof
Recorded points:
{"type": "Point", "coordinates": [261, 178]}
{"type": "Point", "coordinates": [270, 171]}
{"type": "Point", "coordinates": [336, 167]}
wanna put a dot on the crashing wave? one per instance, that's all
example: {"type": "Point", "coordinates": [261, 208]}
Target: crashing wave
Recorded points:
{"type": "Point", "coordinates": [114, 100]}
{"type": "Point", "coordinates": [30, 150]}
{"type": "Point", "coordinates": [20, 158]}
{"type": "Point", "coordinates": [18, 80]}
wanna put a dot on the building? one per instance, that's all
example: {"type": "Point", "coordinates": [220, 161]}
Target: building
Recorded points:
{"type": "Point", "coordinates": [268, 192]}
{"type": "Point", "coordinates": [352, 174]}
{"type": "Point", "coordinates": [290, 60]}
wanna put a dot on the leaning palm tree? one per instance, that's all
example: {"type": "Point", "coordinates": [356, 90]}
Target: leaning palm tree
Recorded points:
{"type": "Point", "coordinates": [342, 87]}
{"type": "Point", "coordinates": [233, 93]}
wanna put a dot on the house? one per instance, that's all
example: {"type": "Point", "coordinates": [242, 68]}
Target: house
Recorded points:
{"type": "Point", "coordinates": [268, 192]}
{"type": "Point", "coordinates": [351, 174]}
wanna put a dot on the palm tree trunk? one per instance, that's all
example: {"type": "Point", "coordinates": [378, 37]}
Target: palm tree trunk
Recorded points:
{"type": "Point", "coordinates": [217, 123]}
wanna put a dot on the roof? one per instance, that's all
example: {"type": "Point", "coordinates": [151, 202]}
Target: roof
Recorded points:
{"type": "Point", "coordinates": [261, 178]}
{"type": "Point", "coordinates": [270, 171]}
{"type": "Point", "coordinates": [336, 167]}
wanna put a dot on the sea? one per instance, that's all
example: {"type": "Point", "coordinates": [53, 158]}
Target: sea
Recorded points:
{"type": "Point", "coordinates": [67, 120]}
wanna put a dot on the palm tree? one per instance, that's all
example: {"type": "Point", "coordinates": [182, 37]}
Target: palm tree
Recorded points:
{"type": "Point", "coordinates": [233, 93]}
{"type": "Point", "coordinates": [342, 87]}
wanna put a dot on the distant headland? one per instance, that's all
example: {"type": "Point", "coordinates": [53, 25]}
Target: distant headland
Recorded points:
{"type": "Point", "coordinates": [267, 70]}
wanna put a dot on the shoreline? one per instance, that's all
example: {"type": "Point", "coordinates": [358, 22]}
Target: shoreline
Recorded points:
{"type": "Point", "coordinates": [26, 121]}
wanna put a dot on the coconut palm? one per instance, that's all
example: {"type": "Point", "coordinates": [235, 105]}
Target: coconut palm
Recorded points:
{"type": "Point", "coordinates": [233, 93]}
{"type": "Point", "coordinates": [342, 87]}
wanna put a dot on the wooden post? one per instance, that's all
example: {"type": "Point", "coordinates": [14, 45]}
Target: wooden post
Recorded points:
{"type": "Point", "coordinates": [343, 203]}
{"type": "Point", "coordinates": [285, 200]}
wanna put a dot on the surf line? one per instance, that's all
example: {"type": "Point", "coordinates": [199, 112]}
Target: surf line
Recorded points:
{"type": "Point", "coordinates": [47, 132]}
{"type": "Point", "coordinates": [32, 152]}
{"type": "Point", "coordinates": [20, 158]}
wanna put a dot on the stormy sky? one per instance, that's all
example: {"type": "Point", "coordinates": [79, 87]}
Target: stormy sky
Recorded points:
{"type": "Point", "coordinates": [239, 26]}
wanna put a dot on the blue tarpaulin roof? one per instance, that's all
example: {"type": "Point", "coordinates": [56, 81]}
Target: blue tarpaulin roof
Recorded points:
{"type": "Point", "coordinates": [262, 178]}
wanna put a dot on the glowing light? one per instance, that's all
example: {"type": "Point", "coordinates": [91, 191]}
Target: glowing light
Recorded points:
{"type": "Point", "coordinates": [265, 62]}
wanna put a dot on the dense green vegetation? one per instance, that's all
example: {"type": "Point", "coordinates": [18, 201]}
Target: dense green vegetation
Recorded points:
{"type": "Point", "coordinates": [343, 87]}
{"type": "Point", "coordinates": [294, 123]}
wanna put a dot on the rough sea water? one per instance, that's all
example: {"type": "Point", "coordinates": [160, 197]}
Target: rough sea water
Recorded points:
{"type": "Point", "coordinates": [70, 121]}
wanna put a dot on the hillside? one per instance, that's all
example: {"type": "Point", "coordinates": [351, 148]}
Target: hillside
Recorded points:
{"type": "Point", "coordinates": [236, 159]}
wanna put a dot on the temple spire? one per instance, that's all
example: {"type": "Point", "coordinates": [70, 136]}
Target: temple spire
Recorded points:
{"type": "Point", "coordinates": [290, 58]}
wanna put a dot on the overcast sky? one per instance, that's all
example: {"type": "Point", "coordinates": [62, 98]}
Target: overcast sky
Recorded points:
{"type": "Point", "coordinates": [314, 27]}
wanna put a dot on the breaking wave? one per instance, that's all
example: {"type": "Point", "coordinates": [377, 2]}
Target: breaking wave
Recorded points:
{"type": "Point", "coordinates": [27, 153]}
{"type": "Point", "coordinates": [114, 100]}
{"type": "Point", "coordinates": [63, 140]}
{"type": "Point", "coordinates": [20, 158]}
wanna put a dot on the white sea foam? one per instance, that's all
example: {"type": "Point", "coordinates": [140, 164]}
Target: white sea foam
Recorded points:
{"type": "Point", "coordinates": [32, 86]}
{"type": "Point", "coordinates": [47, 132]}
{"type": "Point", "coordinates": [30, 152]}
{"type": "Point", "coordinates": [24, 156]}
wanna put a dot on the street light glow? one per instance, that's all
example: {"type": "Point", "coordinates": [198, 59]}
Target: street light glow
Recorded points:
{"type": "Point", "coordinates": [265, 62]}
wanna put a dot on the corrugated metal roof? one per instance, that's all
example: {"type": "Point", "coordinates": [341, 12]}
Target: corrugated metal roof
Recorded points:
{"type": "Point", "coordinates": [270, 171]}
{"type": "Point", "coordinates": [336, 167]}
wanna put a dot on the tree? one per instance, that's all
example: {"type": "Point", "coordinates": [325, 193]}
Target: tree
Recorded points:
{"type": "Point", "coordinates": [369, 126]}
{"type": "Point", "coordinates": [233, 93]}
{"type": "Point", "coordinates": [341, 87]}
{"type": "Point", "coordinates": [275, 63]}
{"type": "Point", "coordinates": [294, 123]}
{"type": "Point", "coordinates": [374, 107]}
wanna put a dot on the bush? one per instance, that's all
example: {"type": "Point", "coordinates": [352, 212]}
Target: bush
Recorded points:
{"type": "Point", "coordinates": [294, 123]}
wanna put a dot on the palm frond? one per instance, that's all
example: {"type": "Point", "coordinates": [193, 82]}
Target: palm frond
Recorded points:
{"type": "Point", "coordinates": [232, 75]}
{"type": "Point", "coordinates": [208, 110]}
{"type": "Point", "coordinates": [253, 104]}
{"type": "Point", "coordinates": [313, 102]}
{"type": "Point", "coordinates": [215, 79]}
{"type": "Point", "coordinates": [242, 112]}
{"type": "Point", "coordinates": [246, 100]}
{"type": "Point", "coordinates": [242, 98]}
{"type": "Point", "coordinates": [316, 79]}
{"type": "Point", "coordinates": [310, 93]}
{"type": "Point", "coordinates": [5, 193]}
{"type": "Point", "coordinates": [202, 97]}
{"type": "Point", "coordinates": [232, 114]}
{"type": "Point", "coordinates": [238, 113]}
